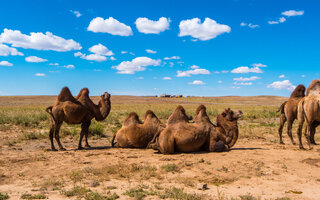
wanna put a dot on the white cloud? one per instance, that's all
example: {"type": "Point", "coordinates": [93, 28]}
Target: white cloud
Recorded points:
{"type": "Point", "coordinates": [6, 51]}
{"type": "Point", "coordinates": [101, 50]}
{"type": "Point", "coordinates": [252, 78]}
{"type": "Point", "coordinates": [132, 53]}
{"type": "Point", "coordinates": [282, 85]}
{"type": "Point", "coordinates": [68, 66]}
{"type": "Point", "coordinates": [303, 76]}
{"type": "Point", "coordinates": [245, 70]}
{"type": "Point", "coordinates": [76, 13]}
{"type": "Point", "coordinates": [38, 41]}
{"type": "Point", "coordinates": [110, 25]}
{"type": "Point", "coordinates": [291, 13]}
{"type": "Point", "coordinates": [166, 78]}
{"type": "Point", "coordinates": [219, 81]}
{"type": "Point", "coordinates": [124, 52]}
{"type": "Point", "coordinates": [112, 58]}
{"type": "Point", "coordinates": [137, 64]}
{"type": "Point", "coordinates": [94, 57]}
{"type": "Point", "coordinates": [209, 29]}
{"type": "Point", "coordinates": [150, 51]}
{"type": "Point", "coordinates": [40, 74]}
{"type": "Point", "coordinates": [250, 25]}
{"type": "Point", "coordinates": [258, 65]}
{"type": "Point", "coordinates": [35, 59]}
{"type": "Point", "coordinates": [171, 64]}
{"type": "Point", "coordinates": [280, 20]}
{"type": "Point", "coordinates": [242, 83]}
{"type": "Point", "coordinates": [188, 73]}
{"type": "Point", "coordinates": [144, 25]}
{"type": "Point", "coordinates": [6, 63]}
{"type": "Point", "coordinates": [172, 58]}
{"type": "Point", "coordinates": [55, 64]}
{"type": "Point", "coordinates": [194, 67]}
{"type": "Point", "coordinates": [196, 82]}
{"type": "Point", "coordinates": [140, 78]}
{"type": "Point", "coordinates": [282, 76]}
{"type": "Point", "coordinates": [234, 87]}
{"type": "Point", "coordinates": [223, 72]}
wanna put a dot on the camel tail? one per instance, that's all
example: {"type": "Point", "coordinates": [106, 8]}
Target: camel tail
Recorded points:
{"type": "Point", "coordinates": [49, 110]}
{"type": "Point", "coordinates": [281, 109]}
{"type": "Point", "coordinates": [113, 138]}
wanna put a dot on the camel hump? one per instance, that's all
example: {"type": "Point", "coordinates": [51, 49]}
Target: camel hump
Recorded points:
{"type": "Point", "coordinates": [179, 114]}
{"type": "Point", "coordinates": [84, 92]}
{"type": "Point", "coordinates": [201, 108]}
{"type": "Point", "coordinates": [314, 87]}
{"type": "Point", "coordinates": [65, 95]}
{"type": "Point", "coordinates": [149, 113]}
{"type": "Point", "coordinates": [133, 118]}
{"type": "Point", "coordinates": [298, 91]}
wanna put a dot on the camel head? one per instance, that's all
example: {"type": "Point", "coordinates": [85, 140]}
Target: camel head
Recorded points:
{"type": "Point", "coordinates": [231, 115]}
{"type": "Point", "coordinates": [298, 92]}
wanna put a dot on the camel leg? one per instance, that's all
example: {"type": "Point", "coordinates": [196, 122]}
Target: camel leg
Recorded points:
{"type": "Point", "coordinates": [283, 120]}
{"type": "Point", "coordinates": [313, 131]}
{"type": "Point", "coordinates": [299, 133]}
{"type": "Point", "coordinates": [51, 136]}
{"type": "Point", "coordinates": [86, 136]}
{"type": "Point", "coordinates": [306, 132]}
{"type": "Point", "coordinates": [84, 129]}
{"type": "Point", "coordinates": [57, 136]}
{"type": "Point", "coordinates": [290, 122]}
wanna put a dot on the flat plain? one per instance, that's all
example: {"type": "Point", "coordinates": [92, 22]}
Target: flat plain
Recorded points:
{"type": "Point", "coordinates": [257, 167]}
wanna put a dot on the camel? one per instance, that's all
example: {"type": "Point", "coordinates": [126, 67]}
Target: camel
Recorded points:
{"type": "Point", "coordinates": [289, 111]}
{"type": "Point", "coordinates": [309, 111]}
{"type": "Point", "coordinates": [200, 135]}
{"type": "Point", "coordinates": [76, 110]}
{"type": "Point", "coordinates": [134, 133]}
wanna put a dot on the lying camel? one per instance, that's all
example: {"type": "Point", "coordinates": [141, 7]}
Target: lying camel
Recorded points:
{"type": "Point", "coordinates": [200, 135]}
{"type": "Point", "coordinates": [289, 111]}
{"type": "Point", "coordinates": [79, 110]}
{"type": "Point", "coordinates": [134, 133]}
{"type": "Point", "coordinates": [309, 111]}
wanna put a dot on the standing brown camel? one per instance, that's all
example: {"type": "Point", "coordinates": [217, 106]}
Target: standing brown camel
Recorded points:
{"type": "Point", "coordinates": [79, 110]}
{"type": "Point", "coordinates": [200, 135]}
{"type": "Point", "coordinates": [309, 111]}
{"type": "Point", "coordinates": [134, 133]}
{"type": "Point", "coordinates": [289, 111]}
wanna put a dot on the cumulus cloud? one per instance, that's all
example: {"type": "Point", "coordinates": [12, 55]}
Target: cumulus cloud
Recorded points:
{"type": "Point", "coordinates": [290, 13]}
{"type": "Point", "coordinates": [6, 63]}
{"type": "Point", "coordinates": [280, 20]}
{"type": "Point", "coordinates": [245, 70]}
{"type": "Point", "coordinates": [150, 51]}
{"type": "Point", "coordinates": [172, 58]}
{"type": "Point", "coordinates": [258, 65]}
{"type": "Point", "coordinates": [166, 78]}
{"type": "Point", "coordinates": [110, 25]}
{"type": "Point", "coordinates": [93, 57]}
{"type": "Point", "coordinates": [194, 67]}
{"type": "Point", "coordinates": [188, 73]}
{"type": "Point", "coordinates": [282, 85]}
{"type": "Point", "coordinates": [242, 83]}
{"type": "Point", "coordinates": [68, 66]}
{"type": "Point", "coordinates": [101, 50]}
{"type": "Point", "coordinates": [282, 76]}
{"type": "Point", "coordinates": [219, 81]}
{"type": "Point", "coordinates": [40, 74]}
{"type": "Point", "coordinates": [6, 51]}
{"type": "Point", "coordinates": [223, 72]}
{"type": "Point", "coordinates": [140, 78]}
{"type": "Point", "coordinates": [196, 82]}
{"type": "Point", "coordinates": [137, 64]}
{"type": "Point", "coordinates": [207, 30]}
{"type": "Point", "coordinates": [124, 52]}
{"type": "Point", "coordinates": [35, 59]}
{"type": "Point", "coordinates": [250, 25]}
{"type": "Point", "coordinates": [303, 76]}
{"type": "Point", "coordinates": [55, 64]}
{"type": "Point", "coordinates": [112, 58]}
{"type": "Point", "coordinates": [252, 78]}
{"type": "Point", "coordinates": [38, 41]}
{"type": "Point", "coordinates": [145, 25]}
{"type": "Point", "coordinates": [76, 13]}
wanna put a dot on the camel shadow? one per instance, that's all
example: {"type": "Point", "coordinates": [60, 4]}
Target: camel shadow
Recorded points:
{"type": "Point", "coordinates": [93, 148]}
{"type": "Point", "coordinates": [243, 148]}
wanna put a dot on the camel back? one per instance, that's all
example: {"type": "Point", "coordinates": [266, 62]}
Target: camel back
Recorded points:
{"type": "Point", "coordinates": [298, 91]}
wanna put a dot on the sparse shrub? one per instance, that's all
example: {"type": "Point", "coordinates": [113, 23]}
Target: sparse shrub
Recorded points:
{"type": "Point", "coordinates": [176, 193]}
{"type": "Point", "coordinates": [4, 196]}
{"type": "Point", "coordinates": [97, 129]}
{"type": "Point", "coordinates": [170, 167]}
{"type": "Point", "coordinates": [33, 196]}
{"type": "Point", "coordinates": [76, 191]}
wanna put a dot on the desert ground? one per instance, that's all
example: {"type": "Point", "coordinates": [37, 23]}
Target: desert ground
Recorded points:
{"type": "Point", "coordinates": [257, 167]}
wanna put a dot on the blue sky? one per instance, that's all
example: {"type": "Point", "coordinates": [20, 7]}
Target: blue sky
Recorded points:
{"type": "Point", "coordinates": [203, 48]}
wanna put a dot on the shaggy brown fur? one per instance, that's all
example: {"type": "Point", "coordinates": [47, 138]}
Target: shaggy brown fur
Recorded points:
{"type": "Point", "coordinates": [79, 110]}
{"type": "Point", "coordinates": [314, 87]}
{"type": "Point", "coordinates": [179, 115]}
{"type": "Point", "coordinates": [134, 133]}
{"type": "Point", "coordinates": [190, 137]}
{"type": "Point", "coordinates": [288, 111]}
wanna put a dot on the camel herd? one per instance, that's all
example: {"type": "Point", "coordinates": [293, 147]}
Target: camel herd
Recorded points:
{"type": "Point", "coordinates": [180, 133]}
{"type": "Point", "coordinates": [304, 108]}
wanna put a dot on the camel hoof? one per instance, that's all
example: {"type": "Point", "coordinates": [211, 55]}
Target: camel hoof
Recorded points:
{"type": "Point", "coordinates": [63, 149]}
{"type": "Point", "coordinates": [80, 148]}
{"type": "Point", "coordinates": [281, 142]}
{"type": "Point", "coordinates": [53, 149]}
{"type": "Point", "coordinates": [88, 146]}
{"type": "Point", "coordinates": [302, 148]}
{"type": "Point", "coordinates": [293, 143]}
